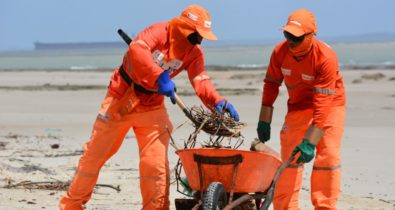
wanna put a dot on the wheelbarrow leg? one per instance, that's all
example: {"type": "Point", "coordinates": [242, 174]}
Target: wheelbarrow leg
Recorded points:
{"type": "Point", "coordinates": [235, 167]}
{"type": "Point", "coordinates": [238, 201]}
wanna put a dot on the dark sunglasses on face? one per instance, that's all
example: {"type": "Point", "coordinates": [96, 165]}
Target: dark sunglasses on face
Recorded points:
{"type": "Point", "coordinates": [296, 39]}
{"type": "Point", "coordinates": [195, 38]}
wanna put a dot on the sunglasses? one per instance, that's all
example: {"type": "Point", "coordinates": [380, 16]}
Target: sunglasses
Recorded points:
{"type": "Point", "coordinates": [296, 39]}
{"type": "Point", "coordinates": [195, 38]}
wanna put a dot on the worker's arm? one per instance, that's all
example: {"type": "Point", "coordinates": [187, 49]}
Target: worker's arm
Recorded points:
{"type": "Point", "coordinates": [324, 89]}
{"type": "Point", "coordinates": [205, 89]}
{"type": "Point", "coordinates": [272, 82]}
{"type": "Point", "coordinates": [202, 84]}
{"type": "Point", "coordinates": [138, 59]}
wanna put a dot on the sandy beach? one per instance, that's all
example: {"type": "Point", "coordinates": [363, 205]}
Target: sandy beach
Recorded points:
{"type": "Point", "coordinates": [46, 116]}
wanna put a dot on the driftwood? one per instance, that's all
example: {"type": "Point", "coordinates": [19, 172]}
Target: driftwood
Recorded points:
{"type": "Point", "coordinates": [48, 185]}
{"type": "Point", "coordinates": [73, 153]}
{"type": "Point", "coordinates": [223, 131]}
{"type": "Point", "coordinates": [215, 123]}
{"type": "Point", "coordinates": [218, 126]}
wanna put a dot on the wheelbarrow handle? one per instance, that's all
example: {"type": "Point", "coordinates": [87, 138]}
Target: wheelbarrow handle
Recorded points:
{"type": "Point", "coordinates": [270, 193]}
{"type": "Point", "coordinates": [183, 107]}
{"type": "Point", "coordinates": [124, 36]}
{"type": "Point", "coordinates": [180, 102]}
{"type": "Point", "coordinates": [283, 166]}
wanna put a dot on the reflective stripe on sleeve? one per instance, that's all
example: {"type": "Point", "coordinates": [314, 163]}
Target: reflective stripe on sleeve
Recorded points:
{"type": "Point", "coordinates": [128, 66]}
{"type": "Point", "coordinates": [104, 117]}
{"type": "Point", "coordinates": [201, 77]}
{"type": "Point", "coordinates": [273, 80]}
{"type": "Point", "coordinates": [326, 168]}
{"type": "Point", "coordinates": [142, 43]}
{"type": "Point", "coordinates": [324, 91]}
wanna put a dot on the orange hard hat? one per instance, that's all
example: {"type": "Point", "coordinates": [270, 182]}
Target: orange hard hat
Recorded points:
{"type": "Point", "coordinates": [301, 22]}
{"type": "Point", "coordinates": [199, 18]}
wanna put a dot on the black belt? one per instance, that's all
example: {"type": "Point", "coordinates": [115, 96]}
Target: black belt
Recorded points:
{"type": "Point", "coordinates": [129, 81]}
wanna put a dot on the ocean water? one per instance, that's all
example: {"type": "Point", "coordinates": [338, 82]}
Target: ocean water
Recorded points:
{"type": "Point", "coordinates": [362, 54]}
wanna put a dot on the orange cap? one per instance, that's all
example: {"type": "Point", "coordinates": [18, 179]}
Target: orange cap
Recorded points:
{"type": "Point", "coordinates": [301, 22]}
{"type": "Point", "coordinates": [199, 18]}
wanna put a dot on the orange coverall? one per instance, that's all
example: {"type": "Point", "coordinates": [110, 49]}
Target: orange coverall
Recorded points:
{"type": "Point", "coordinates": [127, 107]}
{"type": "Point", "coordinates": [316, 97]}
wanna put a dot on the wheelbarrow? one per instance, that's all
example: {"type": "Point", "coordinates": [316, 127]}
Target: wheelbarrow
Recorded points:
{"type": "Point", "coordinates": [229, 178]}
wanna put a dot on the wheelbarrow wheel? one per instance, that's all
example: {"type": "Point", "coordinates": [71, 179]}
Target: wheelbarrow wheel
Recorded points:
{"type": "Point", "coordinates": [215, 197]}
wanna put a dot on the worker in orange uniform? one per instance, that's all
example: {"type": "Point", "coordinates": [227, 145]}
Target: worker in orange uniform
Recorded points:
{"type": "Point", "coordinates": [135, 99]}
{"type": "Point", "coordinates": [316, 111]}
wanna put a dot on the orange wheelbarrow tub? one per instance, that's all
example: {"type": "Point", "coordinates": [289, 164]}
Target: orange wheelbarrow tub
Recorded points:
{"type": "Point", "coordinates": [255, 170]}
{"type": "Point", "coordinates": [220, 173]}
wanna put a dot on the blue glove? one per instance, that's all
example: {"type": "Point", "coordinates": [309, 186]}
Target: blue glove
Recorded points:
{"type": "Point", "coordinates": [229, 108]}
{"type": "Point", "coordinates": [306, 151]}
{"type": "Point", "coordinates": [166, 87]}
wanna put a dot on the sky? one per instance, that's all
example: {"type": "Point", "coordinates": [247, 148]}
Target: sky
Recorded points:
{"type": "Point", "coordinates": [23, 22]}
